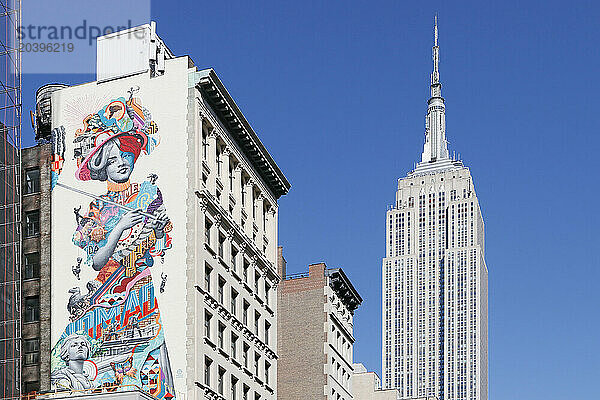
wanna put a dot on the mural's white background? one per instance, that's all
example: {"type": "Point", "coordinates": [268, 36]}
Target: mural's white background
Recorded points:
{"type": "Point", "coordinates": [166, 98]}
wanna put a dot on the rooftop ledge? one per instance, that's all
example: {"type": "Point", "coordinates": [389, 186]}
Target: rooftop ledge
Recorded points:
{"type": "Point", "coordinates": [232, 118]}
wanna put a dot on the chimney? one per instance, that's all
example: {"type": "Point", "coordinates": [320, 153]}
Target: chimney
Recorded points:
{"type": "Point", "coordinates": [281, 263]}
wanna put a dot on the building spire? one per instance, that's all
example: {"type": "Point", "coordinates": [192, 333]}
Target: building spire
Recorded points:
{"type": "Point", "coordinates": [436, 146]}
{"type": "Point", "coordinates": [435, 30]}
{"type": "Point", "coordinates": [435, 75]}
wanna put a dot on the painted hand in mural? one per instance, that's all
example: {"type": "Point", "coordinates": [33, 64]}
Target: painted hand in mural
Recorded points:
{"type": "Point", "coordinates": [129, 220]}
{"type": "Point", "coordinates": [159, 224]}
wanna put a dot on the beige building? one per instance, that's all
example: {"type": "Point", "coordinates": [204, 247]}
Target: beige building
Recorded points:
{"type": "Point", "coordinates": [366, 385]}
{"type": "Point", "coordinates": [315, 333]}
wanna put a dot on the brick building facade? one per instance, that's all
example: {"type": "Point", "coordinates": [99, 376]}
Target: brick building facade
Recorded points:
{"type": "Point", "coordinates": [314, 333]}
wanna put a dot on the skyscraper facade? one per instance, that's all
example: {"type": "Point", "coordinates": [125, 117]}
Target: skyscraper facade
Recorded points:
{"type": "Point", "coordinates": [434, 273]}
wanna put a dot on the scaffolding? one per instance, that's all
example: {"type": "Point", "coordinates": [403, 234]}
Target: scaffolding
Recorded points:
{"type": "Point", "coordinates": [10, 200]}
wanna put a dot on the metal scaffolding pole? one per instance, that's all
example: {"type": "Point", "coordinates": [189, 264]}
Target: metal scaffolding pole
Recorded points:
{"type": "Point", "coordinates": [10, 201]}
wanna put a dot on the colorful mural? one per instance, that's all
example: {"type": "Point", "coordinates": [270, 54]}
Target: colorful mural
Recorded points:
{"type": "Point", "coordinates": [114, 338]}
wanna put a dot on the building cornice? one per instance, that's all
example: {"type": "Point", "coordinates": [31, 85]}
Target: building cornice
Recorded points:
{"type": "Point", "coordinates": [213, 90]}
{"type": "Point", "coordinates": [343, 288]}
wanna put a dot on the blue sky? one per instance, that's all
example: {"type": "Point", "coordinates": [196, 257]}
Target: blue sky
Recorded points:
{"type": "Point", "coordinates": [337, 92]}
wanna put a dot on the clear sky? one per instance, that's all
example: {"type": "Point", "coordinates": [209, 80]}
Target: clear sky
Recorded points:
{"type": "Point", "coordinates": [337, 92]}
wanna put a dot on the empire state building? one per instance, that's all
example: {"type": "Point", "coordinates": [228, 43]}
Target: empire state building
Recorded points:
{"type": "Point", "coordinates": [435, 289]}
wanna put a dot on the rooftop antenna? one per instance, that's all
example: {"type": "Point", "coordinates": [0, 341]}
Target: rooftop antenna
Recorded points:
{"type": "Point", "coordinates": [435, 30]}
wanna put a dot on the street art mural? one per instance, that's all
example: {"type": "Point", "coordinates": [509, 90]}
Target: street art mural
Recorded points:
{"type": "Point", "coordinates": [114, 337]}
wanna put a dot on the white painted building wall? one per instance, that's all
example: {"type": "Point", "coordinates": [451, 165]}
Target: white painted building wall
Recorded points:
{"type": "Point", "coordinates": [339, 347]}
{"type": "Point", "coordinates": [222, 204]}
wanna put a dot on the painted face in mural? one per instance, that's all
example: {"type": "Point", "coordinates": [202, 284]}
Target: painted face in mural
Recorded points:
{"type": "Point", "coordinates": [111, 163]}
{"type": "Point", "coordinates": [74, 351]}
{"type": "Point", "coordinates": [119, 164]}
{"type": "Point", "coordinates": [78, 350]}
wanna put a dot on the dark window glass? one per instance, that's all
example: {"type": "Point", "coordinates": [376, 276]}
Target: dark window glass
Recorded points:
{"type": "Point", "coordinates": [234, 339]}
{"type": "Point", "coordinates": [31, 348]}
{"type": "Point", "coordinates": [220, 382]}
{"type": "Point", "coordinates": [234, 382]}
{"type": "Point", "coordinates": [221, 337]}
{"type": "Point", "coordinates": [207, 271]}
{"type": "Point", "coordinates": [32, 181]}
{"type": "Point", "coordinates": [207, 318]}
{"type": "Point", "coordinates": [221, 290]}
{"type": "Point", "coordinates": [32, 309]}
{"type": "Point", "coordinates": [207, 364]}
{"type": "Point", "coordinates": [29, 387]}
{"type": "Point", "coordinates": [207, 227]}
{"type": "Point", "coordinates": [245, 313]}
{"type": "Point", "coordinates": [221, 245]}
{"type": "Point", "coordinates": [32, 223]}
{"type": "Point", "coordinates": [32, 266]}
{"type": "Point", "coordinates": [234, 296]}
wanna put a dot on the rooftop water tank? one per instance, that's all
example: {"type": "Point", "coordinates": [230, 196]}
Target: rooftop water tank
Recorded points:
{"type": "Point", "coordinates": [43, 109]}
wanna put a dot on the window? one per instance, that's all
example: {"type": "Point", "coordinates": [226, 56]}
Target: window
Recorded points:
{"type": "Point", "coordinates": [221, 377]}
{"type": "Point", "coordinates": [234, 382]}
{"type": "Point", "coordinates": [256, 281]}
{"type": "Point", "coordinates": [32, 309]}
{"type": "Point", "coordinates": [256, 363]}
{"type": "Point", "coordinates": [32, 181]}
{"type": "Point", "coordinates": [207, 271]}
{"type": "Point", "coordinates": [245, 355]}
{"type": "Point", "coordinates": [207, 226]}
{"type": "Point", "coordinates": [207, 365]}
{"type": "Point", "coordinates": [31, 348]}
{"type": "Point", "coordinates": [207, 319]}
{"type": "Point", "coordinates": [256, 396]}
{"type": "Point", "coordinates": [234, 296]}
{"type": "Point", "coordinates": [267, 332]}
{"type": "Point", "coordinates": [245, 313]}
{"type": "Point", "coordinates": [256, 322]}
{"type": "Point", "coordinates": [32, 266]}
{"type": "Point", "coordinates": [234, 339]}
{"type": "Point", "coordinates": [221, 245]}
{"type": "Point", "coordinates": [246, 391]}
{"type": "Point", "coordinates": [29, 387]}
{"type": "Point", "coordinates": [234, 253]}
{"type": "Point", "coordinates": [243, 193]}
{"type": "Point", "coordinates": [245, 272]}
{"type": "Point", "coordinates": [221, 335]}
{"type": "Point", "coordinates": [219, 162]}
{"type": "Point", "coordinates": [267, 293]}
{"type": "Point", "coordinates": [221, 290]}
{"type": "Point", "coordinates": [267, 371]}
{"type": "Point", "coordinates": [204, 145]}
{"type": "Point", "coordinates": [32, 223]}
